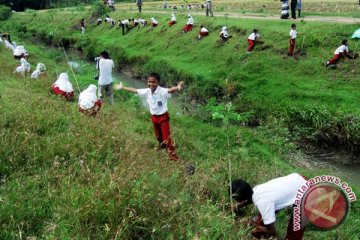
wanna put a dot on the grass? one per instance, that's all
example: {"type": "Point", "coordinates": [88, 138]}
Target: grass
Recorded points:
{"type": "Point", "coordinates": [267, 7]}
{"type": "Point", "coordinates": [265, 81]}
{"type": "Point", "coordinates": [66, 176]}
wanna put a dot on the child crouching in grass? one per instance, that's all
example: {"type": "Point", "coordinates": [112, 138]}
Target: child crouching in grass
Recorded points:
{"type": "Point", "coordinates": [156, 97]}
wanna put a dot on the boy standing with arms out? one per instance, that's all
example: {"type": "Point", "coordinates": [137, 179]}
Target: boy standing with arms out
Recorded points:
{"type": "Point", "coordinates": [156, 97]}
{"type": "Point", "coordinates": [293, 34]}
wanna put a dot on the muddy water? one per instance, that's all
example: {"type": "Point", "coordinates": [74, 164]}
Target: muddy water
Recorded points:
{"type": "Point", "coordinates": [342, 164]}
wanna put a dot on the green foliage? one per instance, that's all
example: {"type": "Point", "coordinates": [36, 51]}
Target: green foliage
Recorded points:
{"type": "Point", "coordinates": [98, 9]}
{"type": "Point", "coordinates": [5, 12]}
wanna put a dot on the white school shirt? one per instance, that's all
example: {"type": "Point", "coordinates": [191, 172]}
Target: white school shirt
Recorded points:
{"type": "Point", "coordinates": [276, 194]}
{"type": "Point", "coordinates": [125, 22]}
{"type": "Point", "coordinates": [203, 30]}
{"type": "Point", "coordinates": [293, 33]}
{"type": "Point", "coordinates": [224, 33]}
{"type": "Point", "coordinates": [190, 21]}
{"type": "Point", "coordinates": [253, 36]}
{"type": "Point", "coordinates": [105, 67]}
{"type": "Point", "coordinates": [173, 18]}
{"type": "Point", "coordinates": [157, 101]}
{"type": "Point", "coordinates": [341, 49]}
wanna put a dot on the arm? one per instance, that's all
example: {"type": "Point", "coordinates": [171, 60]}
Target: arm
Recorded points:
{"type": "Point", "coordinates": [264, 230]}
{"type": "Point", "coordinates": [176, 88]}
{"type": "Point", "coordinates": [129, 89]}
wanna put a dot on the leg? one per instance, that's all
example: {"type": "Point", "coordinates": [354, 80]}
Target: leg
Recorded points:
{"type": "Point", "coordinates": [293, 9]}
{"type": "Point", "coordinates": [251, 45]}
{"type": "Point", "coordinates": [292, 46]}
{"type": "Point", "coordinates": [291, 234]}
{"type": "Point", "coordinates": [334, 60]}
{"type": "Point", "coordinates": [109, 95]}
{"type": "Point", "coordinates": [100, 90]}
{"type": "Point", "coordinates": [299, 13]}
{"type": "Point", "coordinates": [210, 9]}
{"type": "Point", "coordinates": [123, 29]}
{"type": "Point", "coordinates": [165, 132]}
{"type": "Point", "coordinates": [157, 129]}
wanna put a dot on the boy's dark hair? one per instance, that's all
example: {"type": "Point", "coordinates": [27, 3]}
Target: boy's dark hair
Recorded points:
{"type": "Point", "coordinates": [155, 75]}
{"type": "Point", "coordinates": [344, 41]}
{"type": "Point", "coordinates": [201, 26]}
{"type": "Point", "coordinates": [293, 25]}
{"type": "Point", "coordinates": [255, 30]}
{"type": "Point", "coordinates": [241, 190]}
{"type": "Point", "coordinates": [105, 54]}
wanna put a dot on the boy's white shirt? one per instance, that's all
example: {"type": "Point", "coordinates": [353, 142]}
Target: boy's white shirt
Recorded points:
{"type": "Point", "coordinates": [105, 67]}
{"type": "Point", "coordinates": [276, 194]}
{"type": "Point", "coordinates": [341, 49]}
{"type": "Point", "coordinates": [203, 30]}
{"type": "Point", "coordinates": [293, 33]}
{"type": "Point", "coordinates": [157, 101]}
{"type": "Point", "coordinates": [253, 36]}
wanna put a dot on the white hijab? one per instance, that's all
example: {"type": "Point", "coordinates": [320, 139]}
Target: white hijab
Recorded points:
{"type": "Point", "coordinates": [224, 32]}
{"type": "Point", "coordinates": [173, 18]}
{"type": "Point", "coordinates": [88, 98]}
{"type": "Point", "coordinates": [190, 20]}
{"type": "Point", "coordinates": [63, 83]}
{"type": "Point", "coordinates": [39, 69]}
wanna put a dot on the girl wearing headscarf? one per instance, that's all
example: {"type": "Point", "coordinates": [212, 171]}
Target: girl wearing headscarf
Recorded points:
{"type": "Point", "coordinates": [189, 25]}
{"type": "Point", "coordinates": [63, 87]}
{"type": "Point", "coordinates": [40, 69]}
{"type": "Point", "coordinates": [173, 20]}
{"type": "Point", "coordinates": [154, 22]}
{"type": "Point", "coordinates": [224, 35]}
{"type": "Point", "coordinates": [23, 68]}
{"type": "Point", "coordinates": [89, 104]}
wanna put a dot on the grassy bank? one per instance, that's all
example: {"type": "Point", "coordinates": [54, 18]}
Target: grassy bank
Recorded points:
{"type": "Point", "coordinates": [317, 105]}
{"type": "Point", "coordinates": [264, 7]}
{"type": "Point", "coordinates": [67, 176]}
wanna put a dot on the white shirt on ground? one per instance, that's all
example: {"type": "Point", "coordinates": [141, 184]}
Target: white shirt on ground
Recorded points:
{"type": "Point", "coordinates": [276, 194]}
{"type": "Point", "coordinates": [203, 30]}
{"type": "Point", "coordinates": [293, 33]}
{"type": "Point", "coordinates": [105, 67]}
{"type": "Point", "coordinates": [341, 49]}
{"type": "Point", "coordinates": [88, 98]}
{"type": "Point", "coordinates": [253, 36]}
{"type": "Point", "coordinates": [157, 101]}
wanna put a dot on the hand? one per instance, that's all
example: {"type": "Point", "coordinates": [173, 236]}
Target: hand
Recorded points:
{"type": "Point", "coordinates": [118, 86]}
{"type": "Point", "coordinates": [180, 85]}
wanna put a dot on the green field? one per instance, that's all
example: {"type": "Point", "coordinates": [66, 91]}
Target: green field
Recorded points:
{"type": "Point", "coordinates": [65, 176]}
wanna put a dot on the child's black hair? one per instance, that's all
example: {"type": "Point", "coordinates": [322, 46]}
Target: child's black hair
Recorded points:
{"type": "Point", "coordinates": [105, 54]}
{"type": "Point", "coordinates": [201, 26]}
{"type": "Point", "coordinates": [344, 41]}
{"type": "Point", "coordinates": [155, 75]}
{"type": "Point", "coordinates": [293, 25]}
{"type": "Point", "coordinates": [255, 30]}
{"type": "Point", "coordinates": [241, 190]}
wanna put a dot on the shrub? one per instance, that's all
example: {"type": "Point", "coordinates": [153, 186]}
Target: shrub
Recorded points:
{"type": "Point", "coordinates": [5, 12]}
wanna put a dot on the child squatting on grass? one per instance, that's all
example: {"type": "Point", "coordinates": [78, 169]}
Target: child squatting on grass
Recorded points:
{"type": "Point", "coordinates": [268, 198]}
{"type": "Point", "coordinates": [156, 97]}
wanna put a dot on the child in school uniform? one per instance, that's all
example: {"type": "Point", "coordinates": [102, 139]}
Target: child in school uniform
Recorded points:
{"type": "Point", "coordinates": [123, 24]}
{"type": "Point", "coordinates": [157, 98]}
{"type": "Point", "coordinates": [189, 25]}
{"type": "Point", "coordinates": [340, 52]}
{"type": "Point", "coordinates": [172, 20]}
{"type": "Point", "coordinates": [40, 69]}
{"type": "Point", "coordinates": [63, 87]}
{"type": "Point", "coordinates": [23, 68]}
{"type": "Point", "coordinates": [252, 39]}
{"type": "Point", "coordinates": [82, 24]}
{"type": "Point", "coordinates": [284, 9]}
{"type": "Point", "coordinates": [203, 32]}
{"type": "Point", "coordinates": [89, 104]}
{"type": "Point", "coordinates": [269, 198]}
{"type": "Point", "coordinates": [142, 22]}
{"type": "Point", "coordinates": [224, 34]}
{"type": "Point", "coordinates": [154, 22]}
{"type": "Point", "coordinates": [293, 34]}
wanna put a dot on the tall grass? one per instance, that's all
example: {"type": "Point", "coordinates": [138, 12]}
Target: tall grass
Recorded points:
{"type": "Point", "coordinates": [66, 176]}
